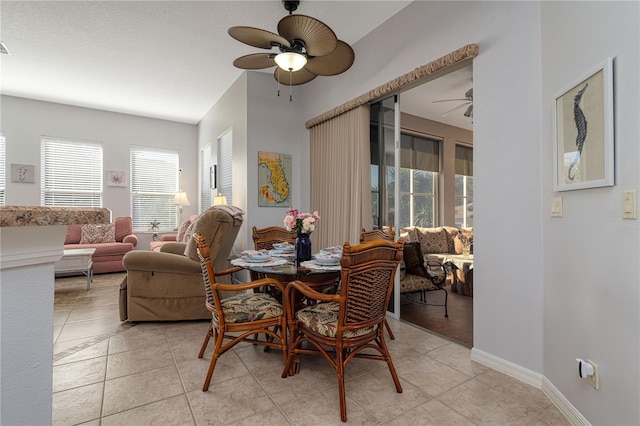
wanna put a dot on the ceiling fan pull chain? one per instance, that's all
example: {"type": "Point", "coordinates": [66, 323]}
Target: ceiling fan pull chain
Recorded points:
{"type": "Point", "coordinates": [278, 80]}
{"type": "Point", "coordinates": [290, 87]}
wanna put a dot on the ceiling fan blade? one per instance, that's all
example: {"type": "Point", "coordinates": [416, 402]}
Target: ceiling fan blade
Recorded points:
{"type": "Point", "coordinates": [298, 77]}
{"type": "Point", "coordinates": [257, 37]}
{"type": "Point", "coordinates": [450, 100]}
{"type": "Point", "coordinates": [334, 63]}
{"type": "Point", "coordinates": [456, 108]}
{"type": "Point", "coordinates": [319, 39]}
{"type": "Point", "coordinates": [255, 61]}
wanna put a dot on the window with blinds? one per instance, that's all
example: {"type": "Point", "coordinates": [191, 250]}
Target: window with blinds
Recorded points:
{"type": "Point", "coordinates": [225, 165]}
{"type": "Point", "coordinates": [71, 173]}
{"type": "Point", "coordinates": [420, 167]}
{"type": "Point", "coordinates": [154, 182]}
{"type": "Point", "coordinates": [3, 169]}
{"type": "Point", "coordinates": [464, 186]}
{"type": "Point", "coordinates": [206, 170]}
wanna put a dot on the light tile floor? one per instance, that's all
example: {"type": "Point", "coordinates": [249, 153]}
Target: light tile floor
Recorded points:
{"type": "Point", "coordinates": [112, 373]}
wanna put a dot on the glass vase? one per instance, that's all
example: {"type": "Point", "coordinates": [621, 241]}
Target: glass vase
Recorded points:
{"type": "Point", "coordinates": [303, 248]}
{"type": "Point", "coordinates": [465, 251]}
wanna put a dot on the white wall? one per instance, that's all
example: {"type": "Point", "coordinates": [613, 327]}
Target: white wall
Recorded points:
{"type": "Point", "coordinates": [590, 274]}
{"type": "Point", "coordinates": [506, 75]}
{"type": "Point", "coordinates": [261, 121]}
{"type": "Point", "coordinates": [25, 121]}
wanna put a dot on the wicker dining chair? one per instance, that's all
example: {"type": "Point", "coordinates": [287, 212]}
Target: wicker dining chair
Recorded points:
{"type": "Point", "coordinates": [264, 238]}
{"type": "Point", "coordinates": [342, 325]}
{"type": "Point", "coordinates": [379, 234]}
{"type": "Point", "coordinates": [246, 314]}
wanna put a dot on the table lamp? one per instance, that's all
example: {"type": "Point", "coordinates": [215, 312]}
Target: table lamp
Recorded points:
{"type": "Point", "coordinates": [181, 200]}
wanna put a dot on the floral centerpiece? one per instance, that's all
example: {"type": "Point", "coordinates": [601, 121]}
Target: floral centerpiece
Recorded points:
{"type": "Point", "coordinates": [302, 224]}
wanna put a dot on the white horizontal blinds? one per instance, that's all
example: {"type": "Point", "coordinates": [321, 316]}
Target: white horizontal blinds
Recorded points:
{"type": "Point", "coordinates": [154, 182]}
{"type": "Point", "coordinates": [3, 169]}
{"type": "Point", "coordinates": [419, 153]}
{"type": "Point", "coordinates": [206, 167]}
{"type": "Point", "coordinates": [464, 160]}
{"type": "Point", "coordinates": [71, 173]}
{"type": "Point", "coordinates": [225, 165]}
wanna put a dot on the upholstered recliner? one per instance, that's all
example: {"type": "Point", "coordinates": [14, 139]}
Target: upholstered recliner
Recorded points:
{"type": "Point", "coordinates": [167, 285]}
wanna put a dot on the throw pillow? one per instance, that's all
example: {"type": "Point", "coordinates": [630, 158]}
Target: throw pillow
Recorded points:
{"type": "Point", "coordinates": [93, 234]}
{"type": "Point", "coordinates": [452, 231]}
{"type": "Point", "coordinates": [433, 240]}
{"type": "Point", "coordinates": [467, 232]}
{"type": "Point", "coordinates": [411, 234]}
{"type": "Point", "coordinates": [181, 231]}
{"type": "Point", "coordinates": [413, 260]}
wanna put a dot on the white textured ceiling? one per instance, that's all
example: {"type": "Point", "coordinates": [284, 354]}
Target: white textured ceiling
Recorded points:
{"type": "Point", "coordinates": [170, 59]}
{"type": "Point", "coordinates": [162, 59]}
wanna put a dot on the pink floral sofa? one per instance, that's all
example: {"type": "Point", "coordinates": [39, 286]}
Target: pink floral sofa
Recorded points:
{"type": "Point", "coordinates": [111, 241]}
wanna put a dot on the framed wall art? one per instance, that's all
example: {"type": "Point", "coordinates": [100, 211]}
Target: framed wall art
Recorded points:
{"type": "Point", "coordinates": [116, 178]}
{"type": "Point", "coordinates": [583, 131]}
{"type": "Point", "coordinates": [23, 173]}
{"type": "Point", "coordinates": [274, 179]}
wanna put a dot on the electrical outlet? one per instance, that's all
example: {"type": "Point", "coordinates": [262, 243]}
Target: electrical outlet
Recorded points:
{"type": "Point", "coordinates": [595, 378]}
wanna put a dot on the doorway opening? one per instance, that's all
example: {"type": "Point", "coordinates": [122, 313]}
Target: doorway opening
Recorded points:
{"type": "Point", "coordinates": [432, 124]}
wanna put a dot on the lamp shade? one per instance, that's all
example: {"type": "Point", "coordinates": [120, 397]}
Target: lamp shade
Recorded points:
{"type": "Point", "coordinates": [219, 200]}
{"type": "Point", "coordinates": [290, 61]}
{"type": "Point", "coordinates": [181, 199]}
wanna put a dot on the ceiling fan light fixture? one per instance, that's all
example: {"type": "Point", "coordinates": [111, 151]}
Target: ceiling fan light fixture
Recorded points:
{"type": "Point", "coordinates": [290, 61]}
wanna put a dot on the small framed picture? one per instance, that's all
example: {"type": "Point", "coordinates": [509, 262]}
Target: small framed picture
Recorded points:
{"type": "Point", "coordinates": [22, 173]}
{"type": "Point", "coordinates": [583, 124]}
{"type": "Point", "coordinates": [116, 178]}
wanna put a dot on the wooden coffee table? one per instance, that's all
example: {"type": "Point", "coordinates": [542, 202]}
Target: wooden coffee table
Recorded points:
{"type": "Point", "coordinates": [77, 260]}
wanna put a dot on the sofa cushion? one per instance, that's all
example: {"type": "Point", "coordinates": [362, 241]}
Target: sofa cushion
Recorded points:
{"type": "Point", "coordinates": [93, 234]}
{"type": "Point", "coordinates": [124, 227]}
{"type": "Point", "coordinates": [433, 240]}
{"type": "Point", "coordinates": [73, 234]}
{"type": "Point", "coordinates": [413, 260]}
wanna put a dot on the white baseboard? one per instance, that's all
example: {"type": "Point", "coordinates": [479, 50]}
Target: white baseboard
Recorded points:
{"type": "Point", "coordinates": [534, 379]}
{"type": "Point", "coordinates": [510, 369]}
{"type": "Point", "coordinates": [563, 404]}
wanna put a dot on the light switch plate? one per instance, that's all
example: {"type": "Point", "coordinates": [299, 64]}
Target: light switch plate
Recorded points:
{"type": "Point", "coordinates": [629, 205]}
{"type": "Point", "coordinates": [556, 207]}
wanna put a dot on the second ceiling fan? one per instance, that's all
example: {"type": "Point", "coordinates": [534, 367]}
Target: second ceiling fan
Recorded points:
{"type": "Point", "coordinates": [467, 101]}
{"type": "Point", "coordinates": [306, 48]}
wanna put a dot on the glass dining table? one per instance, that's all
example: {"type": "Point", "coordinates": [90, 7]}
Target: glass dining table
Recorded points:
{"type": "Point", "coordinates": [321, 278]}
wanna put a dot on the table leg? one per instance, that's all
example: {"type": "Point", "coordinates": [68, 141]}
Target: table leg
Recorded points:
{"type": "Point", "coordinates": [89, 275]}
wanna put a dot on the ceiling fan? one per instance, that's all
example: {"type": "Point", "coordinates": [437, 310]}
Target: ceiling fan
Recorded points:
{"type": "Point", "coordinates": [306, 48]}
{"type": "Point", "coordinates": [467, 102]}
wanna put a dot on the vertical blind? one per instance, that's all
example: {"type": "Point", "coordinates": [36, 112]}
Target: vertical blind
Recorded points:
{"type": "Point", "coordinates": [464, 160]}
{"type": "Point", "coordinates": [205, 178]}
{"type": "Point", "coordinates": [3, 169]}
{"type": "Point", "coordinates": [154, 182]}
{"type": "Point", "coordinates": [225, 166]}
{"type": "Point", "coordinates": [71, 173]}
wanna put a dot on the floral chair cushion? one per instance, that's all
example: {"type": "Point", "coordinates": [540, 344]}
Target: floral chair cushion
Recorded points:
{"type": "Point", "coordinates": [411, 283]}
{"type": "Point", "coordinates": [323, 319]}
{"type": "Point", "coordinates": [247, 307]}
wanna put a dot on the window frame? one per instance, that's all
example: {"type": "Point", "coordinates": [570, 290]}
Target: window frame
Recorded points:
{"type": "Point", "coordinates": [71, 172]}
{"type": "Point", "coordinates": [154, 188]}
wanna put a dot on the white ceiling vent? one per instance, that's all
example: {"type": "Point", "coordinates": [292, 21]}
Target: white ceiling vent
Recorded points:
{"type": "Point", "coordinates": [3, 48]}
